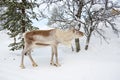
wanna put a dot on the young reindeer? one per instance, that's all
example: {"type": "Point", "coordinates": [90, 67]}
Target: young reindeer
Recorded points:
{"type": "Point", "coordinates": [51, 38]}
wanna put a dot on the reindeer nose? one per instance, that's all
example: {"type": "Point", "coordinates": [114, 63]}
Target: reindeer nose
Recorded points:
{"type": "Point", "coordinates": [81, 33]}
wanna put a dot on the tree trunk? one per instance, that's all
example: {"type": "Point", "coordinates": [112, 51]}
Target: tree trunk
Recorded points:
{"type": "Point", "coordinates": [77, 44]}
{"type": "Point", "coordinates": [106, 4]}
{"type": "Point", "coordinates": [87, 42]}
{"type": "Point", "coordinates": [23, 26]}
{"type": "Point", "coordinates": [14, 39]}
{"type": "Point", "coordinates": [23, 21]}
{"type": "Point", "coordinates": [88, 39]}
{"type": "Point", "coordinates": [23, 30]}
{"type": "Point", "coordinates": [78, 15]}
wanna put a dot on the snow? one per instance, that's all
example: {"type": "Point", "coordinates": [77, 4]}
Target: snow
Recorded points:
{"type": "Point", "coordinates": [96, 7]}
{"type": "Point", "coordinates": [100, 62]}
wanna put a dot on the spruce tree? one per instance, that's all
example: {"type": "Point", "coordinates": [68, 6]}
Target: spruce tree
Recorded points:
{"type": "Point", "coordinates": [16, 18]}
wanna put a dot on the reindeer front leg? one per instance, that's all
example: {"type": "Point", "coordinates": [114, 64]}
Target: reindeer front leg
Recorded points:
{"type": "Point", "coordinates": [52, 62]}
{"type": "Point", "coordinates": [22, 60]}
{"type": "Point", "coordinates": [54, 52]}
{"type": "Point", "coordinates": [56, 56]}
{"type": "Point", "coordinates": [52, 56]}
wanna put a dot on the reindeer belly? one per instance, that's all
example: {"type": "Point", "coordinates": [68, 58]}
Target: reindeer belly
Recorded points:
{"type": "Point", "coordinates": [43, 44]}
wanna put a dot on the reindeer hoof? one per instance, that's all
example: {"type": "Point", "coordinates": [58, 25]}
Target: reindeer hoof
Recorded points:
{"type": "Point", "coordinates": [22, 66]}
{"type": "Point", "coordinates": [34, 65]}
{"type": "Point", "coordinates": [52, 63]}
{"type": "Point", "coordinates": [57, 65]}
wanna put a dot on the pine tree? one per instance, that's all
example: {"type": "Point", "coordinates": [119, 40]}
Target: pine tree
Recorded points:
{"type": "Point", "coordinates": [17, 19]}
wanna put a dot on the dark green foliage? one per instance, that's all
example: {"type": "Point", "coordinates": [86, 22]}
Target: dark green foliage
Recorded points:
{"type": "Point", "coordinates": [13, 19]}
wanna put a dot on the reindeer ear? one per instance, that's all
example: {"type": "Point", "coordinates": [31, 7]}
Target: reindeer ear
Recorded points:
{"type": "Point", "coordinates": [72, 28]}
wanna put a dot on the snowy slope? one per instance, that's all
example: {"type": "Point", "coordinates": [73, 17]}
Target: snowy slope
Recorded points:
{"type": "Point", "coordinates": [100, 62]}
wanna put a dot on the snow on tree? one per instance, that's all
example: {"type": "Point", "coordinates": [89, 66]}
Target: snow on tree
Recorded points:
{"type": "Point", "coordinates": [88, 14]}
{"type": "Point", "coordinates": [16, 19]}
{"type": "Point", "coordinates": [80, 14]}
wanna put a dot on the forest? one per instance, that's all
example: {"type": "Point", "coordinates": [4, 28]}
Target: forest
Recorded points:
{"type": "Point", "coordinates": [87, 15]}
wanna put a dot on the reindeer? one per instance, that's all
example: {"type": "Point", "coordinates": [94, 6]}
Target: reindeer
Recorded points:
{"type": "Point", "coordinates": [51, 38]}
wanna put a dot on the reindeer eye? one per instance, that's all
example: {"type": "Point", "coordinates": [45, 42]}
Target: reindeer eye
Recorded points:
{"type": "Point", "coordinates": [75, 32]}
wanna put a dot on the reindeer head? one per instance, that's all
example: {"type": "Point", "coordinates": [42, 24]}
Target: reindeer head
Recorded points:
{"type": "Point", "coordinates": [77, 33]}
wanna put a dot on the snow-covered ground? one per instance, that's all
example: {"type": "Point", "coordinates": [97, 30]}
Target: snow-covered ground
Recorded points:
{"type": "Point", "coordinates": [100, 62]}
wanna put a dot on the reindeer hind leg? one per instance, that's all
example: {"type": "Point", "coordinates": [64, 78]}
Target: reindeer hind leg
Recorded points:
{"type": "Point", "coordinates": [22, 60]}
{"type": "Point", "coordinates": [25, 50]}
{"type": "Point", "coordinates": [33, 62]}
